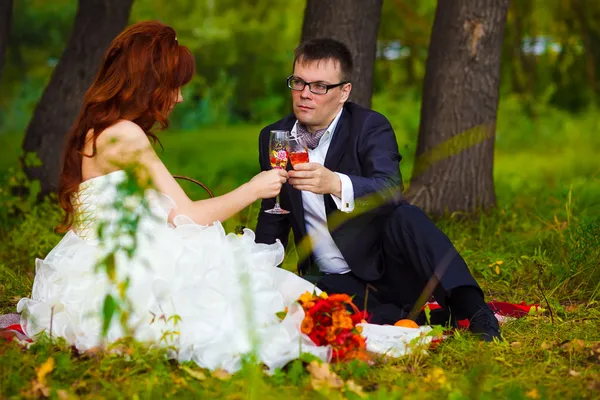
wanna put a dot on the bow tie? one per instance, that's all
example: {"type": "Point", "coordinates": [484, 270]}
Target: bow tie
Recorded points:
{"type": "Point", "coordinates": [312, 140]}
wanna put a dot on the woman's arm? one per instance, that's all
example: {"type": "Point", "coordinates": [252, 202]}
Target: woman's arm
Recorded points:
{"type": "Point", "coordinates": [125, 143]}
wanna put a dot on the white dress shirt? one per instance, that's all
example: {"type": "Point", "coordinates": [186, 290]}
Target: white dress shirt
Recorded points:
{"type": "Point", "coordinates": [326, 254]}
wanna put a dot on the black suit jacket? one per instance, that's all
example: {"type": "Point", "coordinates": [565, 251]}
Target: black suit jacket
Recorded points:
{"type": "Point", "coordinates": [364, 148]}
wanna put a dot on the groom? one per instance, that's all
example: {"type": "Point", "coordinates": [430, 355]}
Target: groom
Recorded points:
{"type": "Point", "coordinates": [365, 239]}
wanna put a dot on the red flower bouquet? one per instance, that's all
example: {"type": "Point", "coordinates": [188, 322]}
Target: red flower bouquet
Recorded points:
{"type": "Point", "coordinates": [331, 320]}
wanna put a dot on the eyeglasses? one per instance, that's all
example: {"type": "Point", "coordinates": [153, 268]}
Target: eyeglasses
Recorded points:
{"type": "Point", "coordinates": [315, 87]}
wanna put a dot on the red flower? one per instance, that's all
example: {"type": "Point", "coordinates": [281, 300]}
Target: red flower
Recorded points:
{"type": "Point", "coordinates": [332, 320]}
{"type": "Point", "coordinates": [358, 317]}
{"type": "Point", "coordinates": [322, 305]}
{"type": "Point", "coordinates": [307, 325]}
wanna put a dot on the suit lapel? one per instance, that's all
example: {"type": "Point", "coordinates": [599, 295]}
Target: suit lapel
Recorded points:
{"type": "Point", "coordinates": [337, 146]}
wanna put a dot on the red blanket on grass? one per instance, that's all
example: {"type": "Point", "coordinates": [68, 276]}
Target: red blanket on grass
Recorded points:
{"type": "Point", "coordinates": [502, 310]}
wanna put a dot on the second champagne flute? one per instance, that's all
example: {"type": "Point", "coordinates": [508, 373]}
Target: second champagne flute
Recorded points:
{"type": "Point", "coordinates": [278, 146]}
{"type": "Point", "coordinates": [297, 150]}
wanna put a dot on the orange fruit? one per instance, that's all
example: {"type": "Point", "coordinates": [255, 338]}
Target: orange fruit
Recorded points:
{"type": "Point", "coordinates": [406, 323]}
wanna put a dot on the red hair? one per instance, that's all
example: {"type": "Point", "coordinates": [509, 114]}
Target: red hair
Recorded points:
{"type": "Point", "coordinates": [141, 72]}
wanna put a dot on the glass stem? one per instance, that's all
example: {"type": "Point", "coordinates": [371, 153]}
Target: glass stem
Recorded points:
{"type": "Point", "coordinates": [277, 202]}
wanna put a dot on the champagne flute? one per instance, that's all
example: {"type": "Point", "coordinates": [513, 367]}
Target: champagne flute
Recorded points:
{"type": "Point", "coordinates": [278, 146]}
{"type": "Point", "coordinates": [297, 150]}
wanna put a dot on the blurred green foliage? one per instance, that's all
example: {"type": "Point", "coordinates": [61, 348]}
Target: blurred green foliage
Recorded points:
{"type": "Point", "coordinates": [244, 51]}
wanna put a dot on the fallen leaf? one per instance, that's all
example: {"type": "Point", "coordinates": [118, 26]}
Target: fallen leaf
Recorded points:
{"type": "Point", "coordinates": [533, 394]}
{"type": "Point", "coordinates": [574, 345]}
{"type": "Point", "coordinates": [571, 307]}
{"type": "Point", "coordinates": [503, 361]}
{"type": "Point", "coordinates": [546, 346]}
{"type": "Point", "coordinates": [193, 373]}
{"type": "Point", "coordinates": [39, 389]}
{"type": "Point", "coordinates": [436, 375]}
{"type": "Point", "coordinates": [355, 387]}
{"type": "Point", "coordinates": [44, 370]}
{"type": "Point", "coordinates": [38, 385]}
{"type": "Point", "coordinates": [572, 372]}
{"type": "Point", "coordinates": [323, 377]}
{"type": "Point", "coordinates": [92, 352]}
{"type": "Point", "coordinates": [221, 374]}
{"type": "Point", "coordinates": [64, 395]}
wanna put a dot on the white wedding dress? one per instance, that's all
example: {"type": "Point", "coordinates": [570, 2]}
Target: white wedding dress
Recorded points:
{"type": "Point", "coordinates": [207, 296]}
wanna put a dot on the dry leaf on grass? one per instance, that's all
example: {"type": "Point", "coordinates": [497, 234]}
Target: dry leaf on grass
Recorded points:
{"type": "Point", "coordinates": [91, 352]}
{"type": "Point", "coordinates": [546, 346]}
{"type": "Point", "coordinates": [64, 395]}
{"type": "Point", "coordinates": [39, 390]}
{"type": "Point", "coordinates": [38, 385]}
{"type": "Point", "coordinates": [571, 307]}
{"type": "Point", "coordinates": [44, 370]}
{"type": "Point", "coordinates": [532, 394]}
{"type": "Point", "coordinates": [193, 373]}
{"type": "Point", "coordinates": [354, 387]}
{"type": "Point", "coordinates": [573, 345]}
{"type": "Point", "coordinates": [323, 377]}
{"type": "Point", "coordinates": [221, 374]}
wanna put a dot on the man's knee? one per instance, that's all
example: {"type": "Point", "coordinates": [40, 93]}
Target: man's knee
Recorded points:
{"type": "Point", "coordinates": [409, 211]}
{"type": "Point", "coordinates": [407, 217]}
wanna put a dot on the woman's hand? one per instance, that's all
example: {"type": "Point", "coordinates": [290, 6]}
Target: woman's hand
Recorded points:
{"type": "Point", "coordinates": [267, 184]}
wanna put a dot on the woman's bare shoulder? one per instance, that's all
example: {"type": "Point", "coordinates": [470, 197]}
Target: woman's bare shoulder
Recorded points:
{"type": "Point", "coordinates": [126, 131]}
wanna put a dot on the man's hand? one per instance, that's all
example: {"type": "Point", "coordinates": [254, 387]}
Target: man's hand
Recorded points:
{"type": "Point", "coordinates": [315, 178]}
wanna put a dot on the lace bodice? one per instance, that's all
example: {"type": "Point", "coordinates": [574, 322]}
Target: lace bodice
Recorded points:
{"type": "Point", "coordinates": [92, 201]}
{"type": "Point", "coordinates": [95, 202]}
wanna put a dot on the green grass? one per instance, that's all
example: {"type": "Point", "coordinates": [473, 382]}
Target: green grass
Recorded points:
{"type": "Point", "coordinates": [545, 230]}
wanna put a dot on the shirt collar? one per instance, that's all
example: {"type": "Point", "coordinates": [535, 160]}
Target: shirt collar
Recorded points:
{"type": "Point", "coordinates": [330, 129]}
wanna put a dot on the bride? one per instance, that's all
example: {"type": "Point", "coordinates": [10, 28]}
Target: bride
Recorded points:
{"type": "Point", "coordinates": [209, 296]}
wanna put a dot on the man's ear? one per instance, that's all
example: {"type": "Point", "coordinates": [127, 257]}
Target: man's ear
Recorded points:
{"type": "Point", "coordinates": [346, 89]}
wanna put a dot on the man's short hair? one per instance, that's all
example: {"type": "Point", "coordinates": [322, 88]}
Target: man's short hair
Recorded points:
{"type": "Point", "coordinates": [321, 49]}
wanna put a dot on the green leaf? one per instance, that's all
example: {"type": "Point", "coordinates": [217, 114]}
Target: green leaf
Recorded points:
{"type": "Point", "coordinates": [108, 310]}
{"type": "Point", "coordinates": [427, 311]}
{"type": "Point", "coordinates": [122, 287]}
{"type": "Point", "coordinates": [110, 266]}
{"type": "Point", "coordinates": [281, 315]}
{"type": "Point", "coordinates": [31, 159]}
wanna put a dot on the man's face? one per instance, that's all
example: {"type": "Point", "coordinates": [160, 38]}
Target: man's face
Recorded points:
{"type": "Point", "coordinates": [316, 111]}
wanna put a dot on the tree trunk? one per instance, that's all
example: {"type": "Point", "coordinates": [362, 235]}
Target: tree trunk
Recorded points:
{"type": "Point", "coordinates": [354, 23]}
{"type": "Point", "coordinates": [588, 45]}
{"type": "Point", "coordinates": [455, 150]}
{"type": "Point", "coordinates": [5, 23]}
{"type": "Point", "coordinates": [97, 23]}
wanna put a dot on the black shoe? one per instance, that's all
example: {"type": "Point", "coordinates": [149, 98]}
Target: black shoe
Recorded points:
{"type": "Point", "coordinates": [485, 325]}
